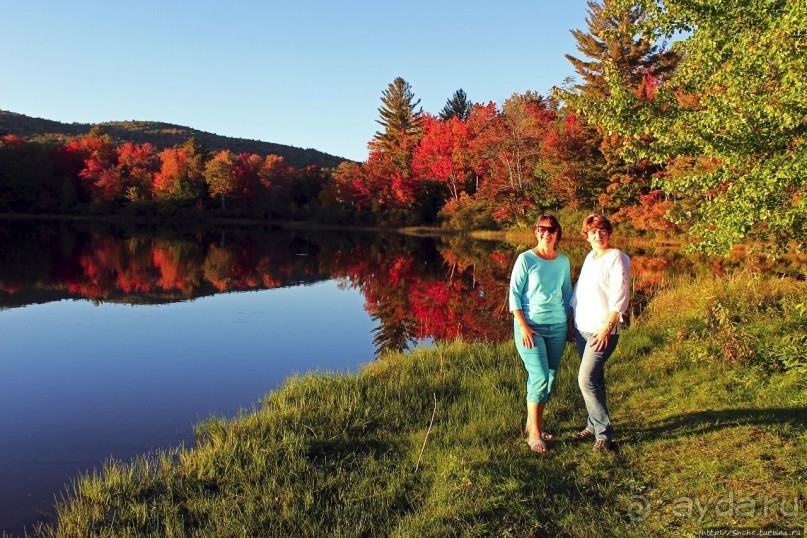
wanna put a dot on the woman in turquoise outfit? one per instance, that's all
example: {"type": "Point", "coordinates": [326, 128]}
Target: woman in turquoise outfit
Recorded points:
{"type": "Point", "coordinates": [540, 292]}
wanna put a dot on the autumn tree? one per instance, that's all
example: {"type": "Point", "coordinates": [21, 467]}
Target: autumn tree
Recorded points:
{"type": "Point", "coordinates": [512, 144]}
{"type": "Point", "coordinates": [247, 179]}
{"type": "Point", "coordinates": [476, 207]}
{"type": "Point", "coordinates": [569, 168]}
{"type": "Point", "coordinates": [387, 171]}
{"type": "Point", "coordinates": [457, 106]}
{"type": "Point", "coordinates": [137, 164]}
{"type": "Point", "coordinates": [171, 181]}
{"type": "Point", "coordinates": [614, 46]}
{"type": "Point", "coordinates": [100, 174]}
{"type": "Point", "coordinates": [277, 178]}
{"type": "Point", "coordinates": [731, 118]}
{"type": "Point", "coordinates": [346, 193]}
{"type": "Point", "coordinates": [220, 176]}
{"type": "Point", "coordinates": [442, 154]}
{"type": "Point", "coordinates": [484, 126]}
{"type": "Point", "coordinates": [181, 175]}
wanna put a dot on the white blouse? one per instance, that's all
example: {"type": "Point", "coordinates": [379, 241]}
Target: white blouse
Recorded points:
{"type": "Point", "coordinates": [603, 287]}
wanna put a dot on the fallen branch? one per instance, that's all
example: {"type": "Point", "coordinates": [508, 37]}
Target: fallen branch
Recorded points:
{"type": "Point", "coordinates": [434, 412]}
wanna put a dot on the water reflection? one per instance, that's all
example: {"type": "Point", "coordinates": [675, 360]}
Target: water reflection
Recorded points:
{"type": "Point", "coordinates": [414, 288]}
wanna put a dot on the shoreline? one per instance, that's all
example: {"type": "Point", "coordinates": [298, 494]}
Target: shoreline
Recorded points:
{"type": "Point", "coordinates": [514, 236]}
{"type": "Point", "coordinates": [331, 453]}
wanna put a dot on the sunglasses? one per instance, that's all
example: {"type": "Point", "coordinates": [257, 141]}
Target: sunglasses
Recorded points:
{"type": "Point", "coordinates": [544, 229]}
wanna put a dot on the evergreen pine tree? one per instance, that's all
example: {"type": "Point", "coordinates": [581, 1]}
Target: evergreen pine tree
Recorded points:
{"type": "Point", "coordinates": [457, 106]}
{"type": "Point", "coordinates": [398, 115]}
{"type": "Point", "coordinates": [614, 40]}
{"type": "Point", "coordinates": [194, 186]}
{"type": "Point", "coordinates": [96, 131]}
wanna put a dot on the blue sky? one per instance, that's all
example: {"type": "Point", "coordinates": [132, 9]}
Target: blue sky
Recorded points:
{"type": "Point", "coordinates": [304, 73]}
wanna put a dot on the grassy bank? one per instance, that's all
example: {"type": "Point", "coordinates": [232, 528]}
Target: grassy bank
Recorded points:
{"type": "Point", "coordinates": [707, 392]}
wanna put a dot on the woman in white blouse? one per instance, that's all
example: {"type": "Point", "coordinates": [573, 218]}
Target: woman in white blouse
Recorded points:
{"type": "Point", "coordinates": [600, 299]}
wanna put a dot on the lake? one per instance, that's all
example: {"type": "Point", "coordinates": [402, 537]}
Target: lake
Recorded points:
{"type": "Point", "coordinates": [115, 340]}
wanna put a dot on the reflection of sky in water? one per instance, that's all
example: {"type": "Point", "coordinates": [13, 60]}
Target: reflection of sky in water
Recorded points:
{"type": "Point", "coordinates": [80, 382]}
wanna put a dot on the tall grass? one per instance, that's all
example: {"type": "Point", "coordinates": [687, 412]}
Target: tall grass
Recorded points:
{"type": "Point", "coordinates": [706, 393]}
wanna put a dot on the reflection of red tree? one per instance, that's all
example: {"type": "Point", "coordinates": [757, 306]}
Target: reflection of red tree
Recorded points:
{"type": "Point", "coordinates": [172, 275]}
{"type": "Point", "coordinates": [110, 266]}
{"type": "Point", "coordinates": [99, 265]}
{"type": "Point", "coordinates": [461, 297]}
{"type": "Point", "coordinates": [414, 291]}
{"type": "Point", "coordinates": [454, 292]}
{"type": "Point", "coordinates": [648, 272]}
{"type": "Point", "coordinates": [136, 275]}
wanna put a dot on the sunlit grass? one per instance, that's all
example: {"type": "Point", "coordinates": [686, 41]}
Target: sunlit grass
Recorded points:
{"type": "Point", "coordinates": [702, 441]}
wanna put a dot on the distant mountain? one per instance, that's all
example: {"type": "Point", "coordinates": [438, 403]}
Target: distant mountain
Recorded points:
{"type": "Point", "coordinates": [161, 135]}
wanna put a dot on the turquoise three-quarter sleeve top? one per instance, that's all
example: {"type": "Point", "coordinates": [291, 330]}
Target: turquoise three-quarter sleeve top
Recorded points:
{"type": "Point", "coordinates": [541, 289]}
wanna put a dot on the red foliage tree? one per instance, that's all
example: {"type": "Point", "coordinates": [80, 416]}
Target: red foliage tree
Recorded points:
{"type": "Point", "coordinates": [443, 154]}
{"type": "Point", "coordinates": [508, 144]}
{"type": "Point", "coordinates": [348, 187]}
{"type": "Point", "coordinates": [100, 174]}
{"type": "Point", "coordinates": [137, 164]}
{"type": "Point", "coordinates": [247, 176]}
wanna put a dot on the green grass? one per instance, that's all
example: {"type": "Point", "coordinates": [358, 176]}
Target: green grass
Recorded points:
{"type": "Point", "coordinates": [706, 393]}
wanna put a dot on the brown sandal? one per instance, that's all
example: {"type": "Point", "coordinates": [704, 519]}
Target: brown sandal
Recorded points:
{"type": "Point", "coordinates": [603, 445]}
{"type": "Point", "coordinates": [582, 435]}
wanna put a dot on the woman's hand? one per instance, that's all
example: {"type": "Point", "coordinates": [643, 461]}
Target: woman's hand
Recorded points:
{"type": "Point", "coordinates": [525, 329]}
{"type": "Point", "coordinates": [526, 335]}
{"type": "Point", "coordinates": [600, 340]}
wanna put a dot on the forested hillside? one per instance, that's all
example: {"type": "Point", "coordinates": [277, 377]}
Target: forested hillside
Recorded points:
{"type": "Point", "coordinates": [161, 135]}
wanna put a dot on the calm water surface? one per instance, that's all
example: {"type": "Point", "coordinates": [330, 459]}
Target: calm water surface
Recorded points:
{"type": "Point", "coordinates": [115, 341]}
{"type": "Point", "coordinates": [83, 382]}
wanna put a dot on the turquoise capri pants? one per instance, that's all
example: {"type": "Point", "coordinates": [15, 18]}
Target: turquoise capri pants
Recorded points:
{"type": "Point", "coordinates": [543, 360]}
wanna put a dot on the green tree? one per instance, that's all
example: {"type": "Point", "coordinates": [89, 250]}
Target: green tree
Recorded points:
{"type": "Point", "coordinates": [731, 119]}
{"type": "Point", "coordinates": [399, 116]}
{"type": "Point", "coordinates": [613, 41]}
{"type": "Point", "coordinates": [458, 106]}
{"type": "Point", "coordinates": [388, 168]}
{"type": "Point", "coordinates": [197, 157]}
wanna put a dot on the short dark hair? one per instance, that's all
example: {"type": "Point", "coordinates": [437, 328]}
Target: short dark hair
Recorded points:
{"type": "Point", "coordinates": [553, 222]}
{"type": "Point", "coordinates": [596, 221]}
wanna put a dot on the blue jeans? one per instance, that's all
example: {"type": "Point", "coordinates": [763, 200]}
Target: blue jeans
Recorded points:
{"type": "Point", "coordinates": [591, 379]}
{"type": "Point", "coordinates": [543, 359]}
